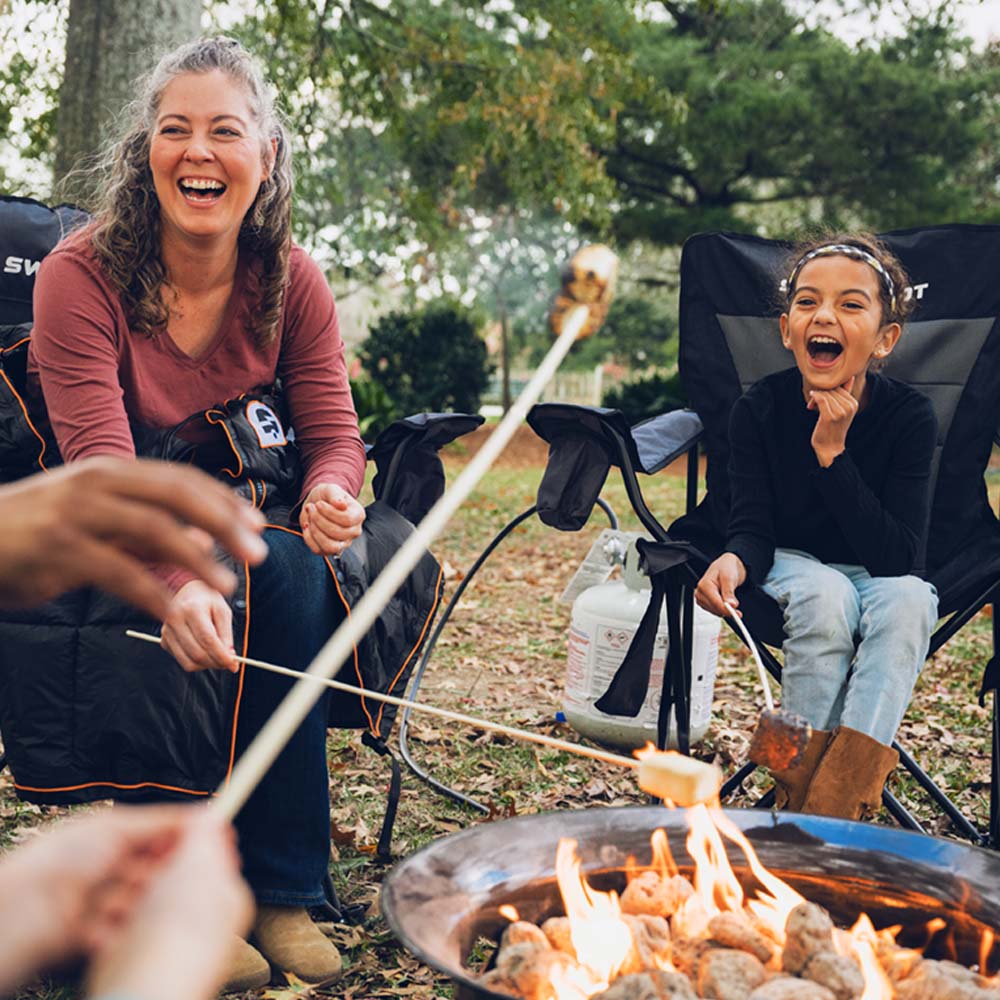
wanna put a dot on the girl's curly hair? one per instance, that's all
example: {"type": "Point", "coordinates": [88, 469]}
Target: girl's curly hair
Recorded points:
{"type": "Point", "coordinates": [895, 308]}
{"type": "Point", "coordinates": [126, 232]}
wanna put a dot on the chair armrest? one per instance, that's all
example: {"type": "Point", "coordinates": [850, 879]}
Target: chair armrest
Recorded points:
{"type": "Point", "coordinates": [661, 439]}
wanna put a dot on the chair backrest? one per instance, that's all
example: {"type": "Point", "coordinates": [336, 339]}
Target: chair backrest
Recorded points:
{"type": "Point", "coordinates": [950, 351]}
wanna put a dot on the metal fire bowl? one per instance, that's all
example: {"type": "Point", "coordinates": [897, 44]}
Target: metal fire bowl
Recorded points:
{"type": "Point", "coordinates": [440, 900]}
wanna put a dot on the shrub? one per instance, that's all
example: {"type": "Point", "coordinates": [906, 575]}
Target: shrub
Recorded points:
{"type": "Point", "coordinates": [430, 359]}
{"type": "Point", "coordinates": [647, 396]}
{"type": "Point", "coordinates": [374, 407]}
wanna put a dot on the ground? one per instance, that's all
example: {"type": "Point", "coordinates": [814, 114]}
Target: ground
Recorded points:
{"type": "Point", "coordinates": [502, 657]}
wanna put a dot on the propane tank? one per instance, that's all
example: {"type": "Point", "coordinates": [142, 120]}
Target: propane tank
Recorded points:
{"type": "Point", "coordinates": [604, 620]}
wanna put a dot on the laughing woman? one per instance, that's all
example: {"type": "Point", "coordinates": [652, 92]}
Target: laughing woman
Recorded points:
{"type": "Point", "coordinates": [183, 293]}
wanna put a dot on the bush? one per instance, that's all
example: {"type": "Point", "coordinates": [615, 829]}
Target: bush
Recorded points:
{"type": "Point", "coordinates": [430, 359]}
{"type": "Point", "coordinates": [374, 407]}
{"type": "Point", "coordinates": [647, 396]}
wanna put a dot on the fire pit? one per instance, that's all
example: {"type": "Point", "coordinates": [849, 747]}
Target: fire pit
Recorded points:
{"type": "Point", "coordinates": [446, 896]}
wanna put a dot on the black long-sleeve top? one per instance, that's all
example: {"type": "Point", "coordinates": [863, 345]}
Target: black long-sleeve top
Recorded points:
{"type": "Point", "coordinates": [868, 508]}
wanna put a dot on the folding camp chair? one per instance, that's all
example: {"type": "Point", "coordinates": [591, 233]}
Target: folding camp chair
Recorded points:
{"type": "Point", "coordinates": [950, 351]}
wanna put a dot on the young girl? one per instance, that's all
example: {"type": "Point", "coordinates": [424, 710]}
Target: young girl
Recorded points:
{"type": "Point", "coordinates": [829, 471]}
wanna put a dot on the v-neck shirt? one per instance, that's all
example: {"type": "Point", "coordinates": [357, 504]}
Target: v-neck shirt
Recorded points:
{"type": "Point", "coordinates": [868, 508]}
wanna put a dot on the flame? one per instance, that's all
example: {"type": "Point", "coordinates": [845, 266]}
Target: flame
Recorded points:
{"type": "Point", "coordinates": [663, 859]}
{"type": "Point", "coordinates": [985, 947]}
{"type": "Point", "coordinates": [863, 939]}
{"type": "Point", "coordinates": [603, 940]}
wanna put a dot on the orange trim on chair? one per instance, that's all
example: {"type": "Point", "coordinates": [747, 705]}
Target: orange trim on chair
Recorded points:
{"type": "Point", "coordinates": [110, 784]}
{"type": "Point", "coordinates": [24, 410]}
{"type": "Point", "coordinates": [347, 609]}
{"type": "Point", "coordinates": [420, 639]}
{"type": "Point", "coordinates": [243, 670]}
{"type": "Point", "coordinates": [14, 347]}
{"type": "Point", "coordinates": [232, 444]}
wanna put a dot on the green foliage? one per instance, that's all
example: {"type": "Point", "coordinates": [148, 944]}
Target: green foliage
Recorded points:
{"type": "Point", "coordinates": [637, 334]}
{"type": "Point", "coordinates": [788, 125]}
{"type": "Point", "coordinates": [430, 359]}
{"type": "Point", "coordinates": [374, 407]}
{"type": "Point", "coordinates": [647, 396]}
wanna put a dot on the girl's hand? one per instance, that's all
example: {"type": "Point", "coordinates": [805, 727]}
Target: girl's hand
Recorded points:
{"type": "Point", "coordinates": [837, 408]}
{"type": "Point", "coordinates": [331, 519]}
{"type": "Point", "coordinates": [718, 586]}
{"type": "Point", "coordinates": [198, 629]}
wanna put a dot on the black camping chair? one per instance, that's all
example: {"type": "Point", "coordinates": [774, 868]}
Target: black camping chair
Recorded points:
{"type": "Point", "coordinates": [950, 351]}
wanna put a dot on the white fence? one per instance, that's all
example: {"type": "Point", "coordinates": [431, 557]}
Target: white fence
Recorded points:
{"type": "Point", "coordinates": [583, 388]}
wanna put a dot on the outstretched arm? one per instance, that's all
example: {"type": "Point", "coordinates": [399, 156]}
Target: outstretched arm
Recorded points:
{"type": "Point", "coordinates": [101, 521]}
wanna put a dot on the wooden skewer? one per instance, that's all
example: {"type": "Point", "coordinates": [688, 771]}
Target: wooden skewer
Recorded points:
{"type": "Point", "coordinates": [444, 713]}
{"type": "Point", "coordinates": [285, 719]}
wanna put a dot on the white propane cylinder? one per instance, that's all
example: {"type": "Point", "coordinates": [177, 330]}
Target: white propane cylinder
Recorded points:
{"type": "Point", "coordinates": [605, 619]}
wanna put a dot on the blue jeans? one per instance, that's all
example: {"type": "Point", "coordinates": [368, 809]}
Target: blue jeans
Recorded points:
{"type": "Point", "coordinates": [854, 643]}
{"type": "Point", "coordinates": [284, 828]}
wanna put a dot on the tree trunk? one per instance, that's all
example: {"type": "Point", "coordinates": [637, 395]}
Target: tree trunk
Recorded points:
{"type": "Point", "coordinates": [504, 354]}
{"type": "Point", "coordinates": [109, 43]}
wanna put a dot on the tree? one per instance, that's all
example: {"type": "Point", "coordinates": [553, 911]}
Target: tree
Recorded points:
{"type": "Point", "coordinates": [430, 359]}
{"type": "Point", "coordinates": [786, 123]}
{"type": "Point", "coordinates": [109, 43]}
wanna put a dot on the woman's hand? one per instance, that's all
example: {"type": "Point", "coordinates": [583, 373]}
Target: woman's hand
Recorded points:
{"type": "Point", "coordinates": [837, 409]}
{"type": "Point", "coordinates": [176, 940]}
{"type": "Point", "coordinates": [331, 519]}
{"type": "Point", "coordinates": [198, 629]}
{"type": "Point", "coordinates": [717, 587]}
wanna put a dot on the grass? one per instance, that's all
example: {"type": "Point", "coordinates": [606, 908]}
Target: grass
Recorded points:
{"type": "Point", "coordinates": [502, 657]}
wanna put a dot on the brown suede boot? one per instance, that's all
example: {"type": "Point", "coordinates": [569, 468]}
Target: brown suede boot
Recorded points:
{"type": "Point", "coordinates": [792, 783]}
{"type": "Point", "coordinates": [850, 777]}
{"type": "Point", "coordinates": [293, 943]}
{"type": "Point", "coordinates": [248, 969]}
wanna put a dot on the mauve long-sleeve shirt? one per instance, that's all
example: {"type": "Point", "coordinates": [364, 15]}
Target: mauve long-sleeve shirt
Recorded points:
{"type": "Point", "coordinates": [95, 373]}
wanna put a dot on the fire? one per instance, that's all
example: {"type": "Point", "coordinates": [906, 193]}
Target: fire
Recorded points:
{"type": "Point", "coordinates": [603, 939]}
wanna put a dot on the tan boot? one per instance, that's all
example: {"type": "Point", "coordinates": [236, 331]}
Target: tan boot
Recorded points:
{"type": "Point", "coordinates": [248, 969]}
{"type": "Point", "coordinates": [792, 783]}
{"type": "Point", "coordinates": [293, 943]}
{"type": "Point", "coordinates": [850, 777]}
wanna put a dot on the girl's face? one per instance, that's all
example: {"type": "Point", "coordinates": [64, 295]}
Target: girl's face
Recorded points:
{"type": "Point", "coordinates": [833, 326]}
{"type": "Point", "coordinates": [205, 157]}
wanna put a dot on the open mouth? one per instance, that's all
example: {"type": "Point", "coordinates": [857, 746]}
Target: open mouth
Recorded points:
{"type": "Point", "coordinates": [201, 190]}
{"type": "Point", "coordinates": [824, 350]}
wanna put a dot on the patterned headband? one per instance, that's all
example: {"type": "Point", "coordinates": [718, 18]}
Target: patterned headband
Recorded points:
{"type": "Point", "coordinates": [845, 250]}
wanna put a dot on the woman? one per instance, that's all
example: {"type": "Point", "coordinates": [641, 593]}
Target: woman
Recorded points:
{"type": "Point", "coordinates": [186, 292]}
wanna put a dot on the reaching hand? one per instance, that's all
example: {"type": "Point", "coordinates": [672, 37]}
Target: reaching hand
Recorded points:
{"type": "Point", "coordinates": [717, 587]}
{"type": "Point", "coordinates": [837, 409]}
{"type": "Point", "coordinates": [331, 519]}
{"type": "Point", "coordinates": [97, 522]}
{"type": "Point", "coordinates": [59, 891]}
{"type": "Point", "coordinates": [176, 939]}
{"type": "Point", "coordinates": [198, 629]}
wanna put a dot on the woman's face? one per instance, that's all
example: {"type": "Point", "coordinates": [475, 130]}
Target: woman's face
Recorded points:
{"type": "Point", "coordinates": [205, 157]}
{"type": "Point", "coordinates": [834, 322]}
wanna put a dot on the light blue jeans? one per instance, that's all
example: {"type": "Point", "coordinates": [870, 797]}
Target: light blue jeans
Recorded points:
{"type": "Point", "coordinates": [854, 643]}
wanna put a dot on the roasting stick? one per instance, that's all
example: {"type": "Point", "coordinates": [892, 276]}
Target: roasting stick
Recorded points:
{"type": "Point", "coordinates": [592, 284]}
{"type": "Point", "coordinates": [444, 713]}
{"type": "Point", "coordinates": [681, 779]}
